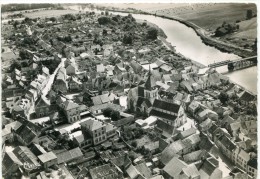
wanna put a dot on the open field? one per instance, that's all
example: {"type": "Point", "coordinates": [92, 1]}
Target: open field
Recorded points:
{"type": "Point", "coordinates": [209, 16]}
{"type": "Point", "coordinates": [49, 13]}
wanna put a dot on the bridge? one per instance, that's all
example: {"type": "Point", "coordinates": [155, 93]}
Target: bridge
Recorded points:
{"type": "Point", "coordinates": [236, 64]}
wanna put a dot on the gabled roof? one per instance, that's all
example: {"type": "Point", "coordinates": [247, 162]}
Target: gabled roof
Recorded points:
{"type": "Point", "coordinates": [164, 105]}
{"type": "Point", "coordinates": [70, 105]}
{"type": "Point", "coordinates": [92, 124]}
{"type": "Point", "coordinates": [47, 157]}
{"type": "Point", "coordinates": [69, 155]}
{"type": "Point", "coordinates": [174, 167]}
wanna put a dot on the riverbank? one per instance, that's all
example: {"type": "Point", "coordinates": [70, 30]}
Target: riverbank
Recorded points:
{"type": "Point", "coordinates": [223, 47]}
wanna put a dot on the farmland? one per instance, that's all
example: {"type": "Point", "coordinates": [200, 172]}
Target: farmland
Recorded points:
{"type": "Point", "coordinates": [49, 13]}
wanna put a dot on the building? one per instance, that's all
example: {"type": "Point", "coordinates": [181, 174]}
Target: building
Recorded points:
{"type": "Point", "coordinates": [71, 111]}
{"type": "Point", "coordinates": [99, 131]}
{"type": "Point", "coordinates": [141, 98]}
{"type": "Point", "coordinates": [61, 84]}
{"type": "Point", "coordinates": [169, 112]}
{"type": "Point", "coordinates": [252, 168]}
{"type": "Point", "coordinates": [42, 107]}
{"type": "Point", "coordinates": [48, 159]}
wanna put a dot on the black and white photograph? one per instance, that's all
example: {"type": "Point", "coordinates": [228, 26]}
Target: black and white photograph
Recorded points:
{"type": "Point", "coordinates": [129, 90]}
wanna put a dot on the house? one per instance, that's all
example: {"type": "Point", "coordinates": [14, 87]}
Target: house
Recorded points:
{"type": "Point", "coordinates": [81, 139]}
{"type": "Point", "coordinates": [60, 84]}
{"type": "Point", "coordinates": [105, 171]}
{"type": "Point", "coordinates": [245, 97]}
{"type": "Point", "coordinates": [174, 168]}
{"type": "Point", "coordinates": [186, 133]}
{"type": "Point", "coordinates": [71, 110]}
{"type": "Point", "coordinates": [42, 107]}
{"type": "Point", "coordinates": [209, 170]}
{"type": "Point", "coordinates": [27, 133]}
{"type": "Point", "coordinates": [226, 145]}
{"type": "Point", "coordinates": [70, 69]}
{"type": "Point", "coordinates": [74, 84]}
{"type": "Point", "coordinates": [205, 125]}
{"type": "Point", "coordinates": [99, 131]}
{"type": "Point", "coordinates": [10, 164]}
{"type": "Point", "coordinates": [163, 128]}
{"type": "Point", "coordinates": [169, 112]}
{"type": "Point", "coordinates": [48, 159]}
{"type": "Point", "coordinates": [240, 158]}
{"type": "Point", "coordinates": [7, 131]}
{"type": "Point", "coordinates": [252, 168]}
{"type": "Point", "coordinates": [69, 155]}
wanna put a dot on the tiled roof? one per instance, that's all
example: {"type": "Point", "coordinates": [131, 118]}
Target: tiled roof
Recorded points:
{"type": "Point", "coordinates": [92, 124]}
{"type": "Point", "coordinates": [172, 107]}
{"type": "Point", "coordinates": [69, 155]}
{"type": "Point", "coordinates": [174, 167]}
{"type": "Point", "coordinates": [47, 157]}
{"type": "Point", "coordinates": [70, 105]}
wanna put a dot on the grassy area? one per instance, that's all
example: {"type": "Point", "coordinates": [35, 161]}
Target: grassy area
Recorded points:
{"type": "Point", "coordinates": [49, 13]}
{"type": "Point", "coordinates": [209, 16]}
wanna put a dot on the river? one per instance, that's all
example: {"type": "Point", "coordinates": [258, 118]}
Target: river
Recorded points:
{"type": "Point", "coordinates": [189, 44]}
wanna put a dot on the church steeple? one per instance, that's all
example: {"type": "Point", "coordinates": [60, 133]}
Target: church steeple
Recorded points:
{"type": "Point", "coordinates": [150, 82]}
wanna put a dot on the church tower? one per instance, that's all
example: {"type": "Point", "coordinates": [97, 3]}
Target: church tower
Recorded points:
{"type": "Point", "coordinates": [150, 92]}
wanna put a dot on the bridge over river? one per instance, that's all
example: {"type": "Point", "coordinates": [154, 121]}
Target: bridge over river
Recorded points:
{"type": "Point", "coordinates": [237, 63]}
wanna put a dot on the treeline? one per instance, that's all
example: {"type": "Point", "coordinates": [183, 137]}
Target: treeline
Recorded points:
{"type": "Point", "coordinates": [20, 7]}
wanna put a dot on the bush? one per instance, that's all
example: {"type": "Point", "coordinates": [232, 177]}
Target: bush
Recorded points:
{"type": "Point", "coordinates": [152, 33]}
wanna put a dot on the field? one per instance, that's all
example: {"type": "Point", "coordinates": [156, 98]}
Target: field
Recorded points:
{"type": "Point", "coordinates": [49, 13]}
{"type": "Point", "coordinates": [209, 16]}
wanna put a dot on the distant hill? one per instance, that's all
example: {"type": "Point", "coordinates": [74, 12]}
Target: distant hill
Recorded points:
{"type": "Point", "coordinates": [20, 7]}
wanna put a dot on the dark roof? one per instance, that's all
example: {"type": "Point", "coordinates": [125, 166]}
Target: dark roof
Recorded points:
{"type": "Point", "coordinates": [252, 163]}
{"type": "Point", "coordinates": [162, 115]}
{"type": "Point", "coordinates": [227, 143]}
{"type": "Point", "coordinates": [245, 96]}
{"type": "Point", "coordinates": [144, 170]}
{"type": "Point", "coordinates": [166, 106]}
{"type": "Point", "coordinates": [140, 91]}
{"type": "Point", "coordinates": [164, 126]}
{"type": "Point", "coordinates": [150, 82]}
{"type": "Point", "coordinates": [212, 128]}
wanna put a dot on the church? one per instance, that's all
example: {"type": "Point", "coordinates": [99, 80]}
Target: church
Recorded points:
{"type": "Point", "coordinates": [145, 100]}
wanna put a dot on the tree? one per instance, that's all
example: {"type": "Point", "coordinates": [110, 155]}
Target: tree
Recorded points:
{"type": "Point", "coordinates": [106, 13]}
{"type": "Point", "coordinates": [102, 13]}
{"type": "Point", "coordinates": [249, 14]}
{"type": "Point", "coordinates": [104, 32]}
{"type": "Point", "coordinates": [103, 20]}
{"type": "Point", "coordinates": [134, 144]}
{"type": "Point", "coordinates": [152, 33]}
{"type": "Point", "coordinates": [127, 39]}
{"type": "Point", "coordinates": [223, 97]}
{"type": "Point", "coordinates": [23, 55]}
{"type": "Point", "coordinates": [115, 115]}
{"type": "Point", "coordinates": [107, 112]}
{"type": "Point", "coordinates": [53, 19]}
{"type": "Point", "coordinates": [15, 24]}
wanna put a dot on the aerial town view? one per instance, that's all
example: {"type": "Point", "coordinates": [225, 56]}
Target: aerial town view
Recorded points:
{"type": "Point", "coordinates": [129, 91]}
